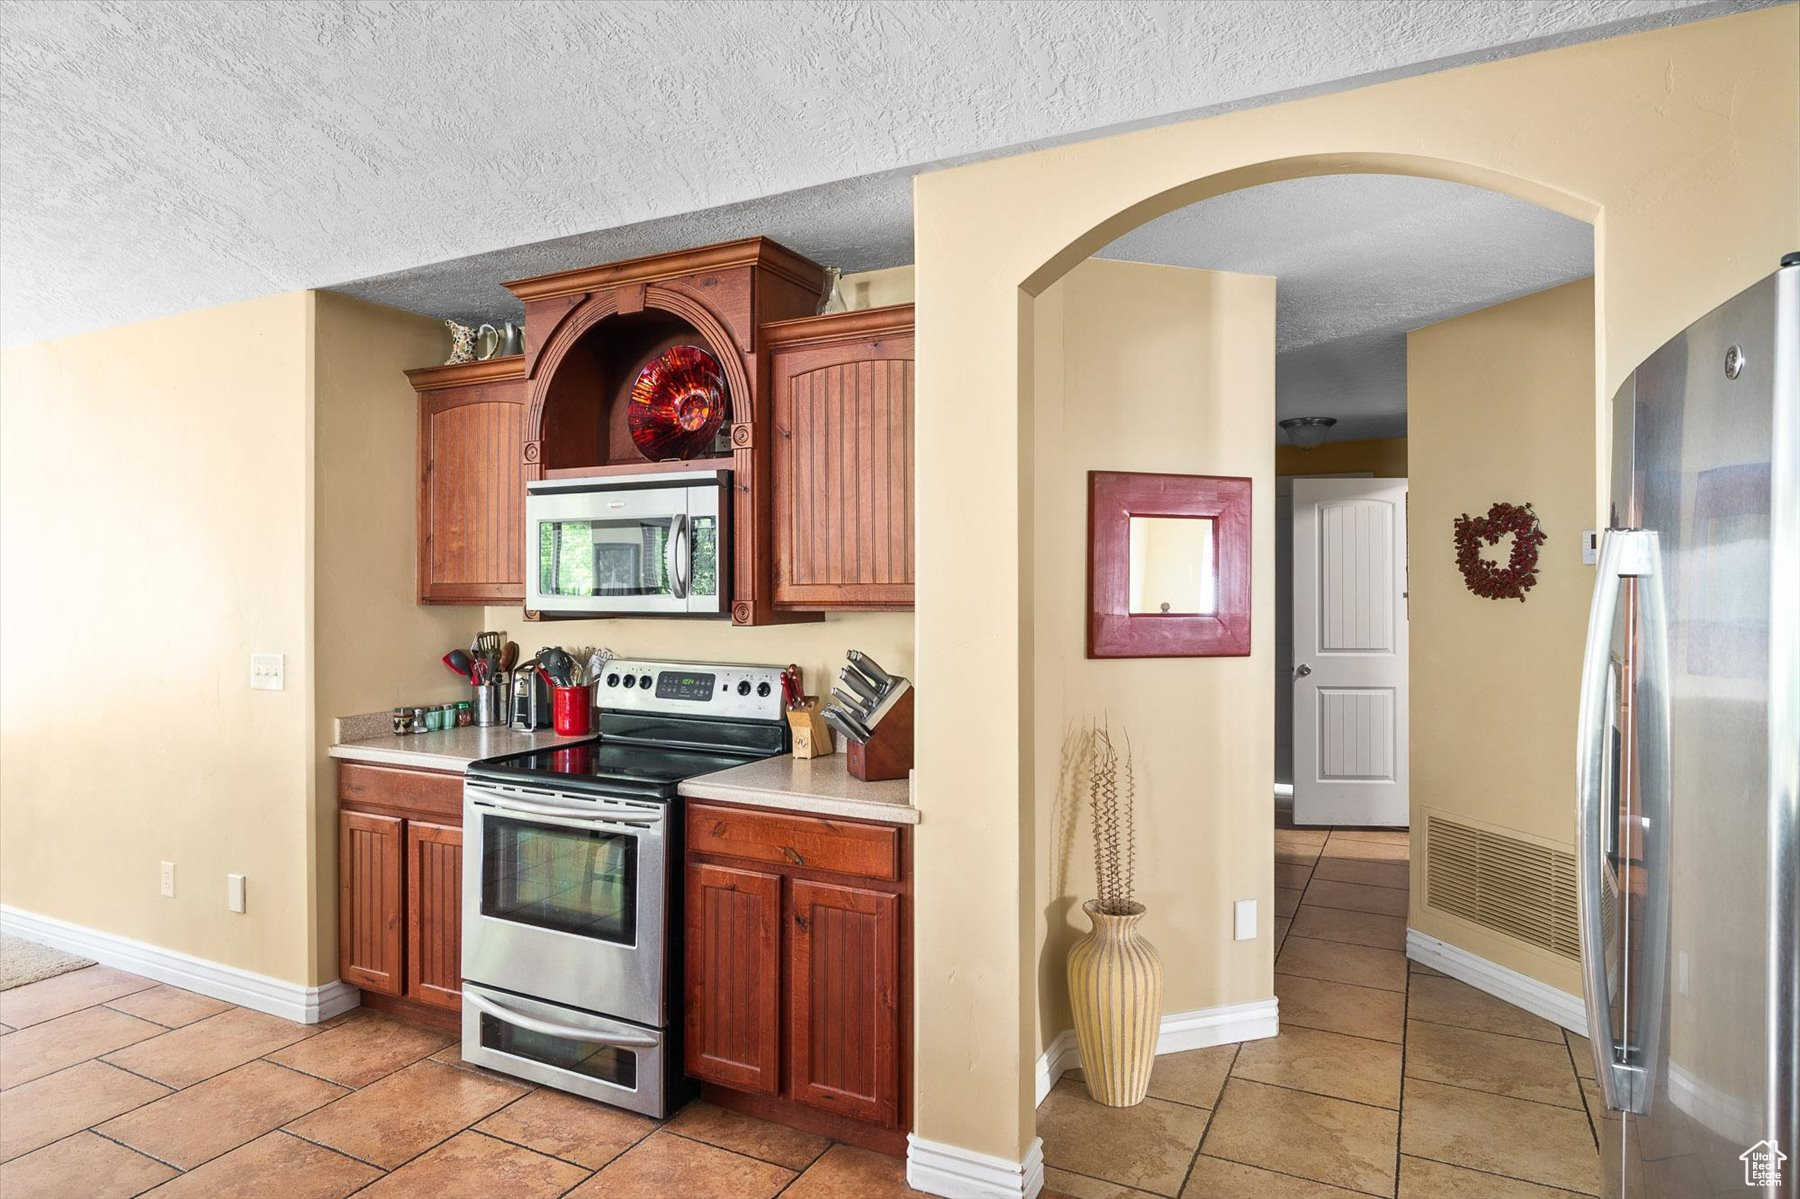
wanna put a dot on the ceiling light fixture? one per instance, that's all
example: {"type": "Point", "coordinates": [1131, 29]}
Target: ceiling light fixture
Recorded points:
{"type": "Point", "coordinates": [1307, 431]}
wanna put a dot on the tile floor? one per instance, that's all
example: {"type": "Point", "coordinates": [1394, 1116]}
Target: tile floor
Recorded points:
{"type": "Point", "coordinates": [1387, 1078]}
{"type": "Point", "coordinates": [114, 1085]}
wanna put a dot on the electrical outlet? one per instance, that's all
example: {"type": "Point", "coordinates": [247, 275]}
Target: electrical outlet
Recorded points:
{"type": "Point", "coordinates": [1243, 914]}
{"type": "Point", "coordinates": [168, 879]}
{"type": "Point", "coordinates": [268, 672]}
{"type": "Point", "coordinates": [1590, 547]}
{"type": "Point", "coordinates": [234, 892]}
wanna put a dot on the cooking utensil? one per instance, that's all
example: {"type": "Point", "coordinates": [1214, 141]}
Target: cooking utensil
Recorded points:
{"type": "Point", "coordinates": [843, 723]}
{"type": "Point", "coordinates": [509, 656]}
{"type": "Point", "coordinates": [850, 703]}
{"type": "Point", "coordinates": [872, 669]}
{"type": "Point", "coordinates": [458, 661]}
{"type": "Point", "coordinates": [853, 679]}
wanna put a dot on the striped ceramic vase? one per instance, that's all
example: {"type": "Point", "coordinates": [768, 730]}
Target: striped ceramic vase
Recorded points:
{"type": "Point", "coordinates": [1115, 987]}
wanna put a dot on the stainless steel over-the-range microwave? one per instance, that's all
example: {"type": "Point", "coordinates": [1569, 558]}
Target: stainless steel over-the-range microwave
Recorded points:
{"type": "Point", "coordinates": [629, 545]}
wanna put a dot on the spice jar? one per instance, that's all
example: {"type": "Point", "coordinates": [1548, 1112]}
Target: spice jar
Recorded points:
{"type": "Point", "coordinates": [419, 723]}
{"type": "Point", "coordinates": [465, 713]}
{"type": "Point", "coordinates": [402, 718]}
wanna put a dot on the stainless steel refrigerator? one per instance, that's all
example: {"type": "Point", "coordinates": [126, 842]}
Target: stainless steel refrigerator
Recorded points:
{"type": "Point", "coordinates": [1689, 752]}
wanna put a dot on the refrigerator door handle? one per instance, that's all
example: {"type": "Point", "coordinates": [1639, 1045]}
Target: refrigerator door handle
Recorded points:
{"type": "Point", "coordinates": [1621, 1069]}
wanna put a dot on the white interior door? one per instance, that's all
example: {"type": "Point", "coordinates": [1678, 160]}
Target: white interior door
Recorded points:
{"type": "Point", "coordinates": [1349, 636]}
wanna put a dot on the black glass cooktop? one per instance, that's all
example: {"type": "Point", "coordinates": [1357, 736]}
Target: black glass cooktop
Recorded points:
{"type": "Point", "coordinates": [645, 756]}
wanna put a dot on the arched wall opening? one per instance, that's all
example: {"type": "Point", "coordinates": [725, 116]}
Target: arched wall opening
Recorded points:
{"type": "Point", "coordinates": [1629, 133]}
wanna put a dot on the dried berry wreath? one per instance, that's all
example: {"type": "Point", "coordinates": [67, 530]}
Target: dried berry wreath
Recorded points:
{"type": "Point", "coordinates": [1491, 580]}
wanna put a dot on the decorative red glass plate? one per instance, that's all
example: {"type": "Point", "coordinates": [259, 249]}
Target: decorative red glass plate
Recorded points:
{"type": "Point", "coordinates": [677, 404]}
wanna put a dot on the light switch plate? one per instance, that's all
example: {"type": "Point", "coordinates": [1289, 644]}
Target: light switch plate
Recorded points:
{"type": "Point", "coordinates": [268, 672]}
{"type": "Point", "coordinates": [166, 880]}
{"type": "Point", "coordinates": [1590, 547]}
{"type": "Point", "coordinates": [1243, 914]}
{"type": "Point", "coordinates": [234, 892]}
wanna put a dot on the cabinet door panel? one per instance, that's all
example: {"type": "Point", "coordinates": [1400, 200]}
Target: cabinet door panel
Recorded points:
{"type": "Point", "coordinates": [734, 977]}
{"type": "Point", "coordinates": [369, 901]}
{"type": "Point", "coordinates": [844, 1007]}
{"type": "Point", "coordinates": [842, 466]}
{"type": "Point", "coordinates": [472, 494]}
{"type": "Point", "coordinates": [434, 913]}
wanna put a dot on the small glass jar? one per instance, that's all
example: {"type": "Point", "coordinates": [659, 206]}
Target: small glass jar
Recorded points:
{"type": "Point", "coordinates": [419, 722]}
{"type": "Point", "coordinates": [446, 716]}
{"type": "Point", "coordinates": [465, 713]}
{"type": "Point", "coordinates": [434, 718]}
{"type": "Point", "coordinates": [402, 721]}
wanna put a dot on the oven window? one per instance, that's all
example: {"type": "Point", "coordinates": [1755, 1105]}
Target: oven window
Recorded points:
{"type": "Point", "coordinates": [608, 1063]}
{"type": "Point", "coordinates": [580, 881]}
{"type": "Point", "coordinates": [603, 557]}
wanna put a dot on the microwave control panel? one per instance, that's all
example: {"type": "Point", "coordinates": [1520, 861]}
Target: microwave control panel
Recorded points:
{"type": "Point", "coordinates": [698, 688]}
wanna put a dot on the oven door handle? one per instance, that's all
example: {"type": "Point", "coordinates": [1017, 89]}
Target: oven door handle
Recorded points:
{"type": "Point", "coordinates": [568, 1032]}
{"type": "Point", "coordinates": [679, 549]}
{"type": "Point", "coordinates": [586, 817]}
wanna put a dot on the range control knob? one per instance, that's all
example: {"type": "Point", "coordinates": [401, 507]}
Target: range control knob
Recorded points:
{"type": "Point", "coordinates": [612, 680]}
{"type": "Point", "coordinates": [644, 682]}
{"type": "Point", "coordinates": [744, 687]}
{"type": "Point", "coordinates": [630, 680]}
{"type": "Point", "coordinates": [762, 689]}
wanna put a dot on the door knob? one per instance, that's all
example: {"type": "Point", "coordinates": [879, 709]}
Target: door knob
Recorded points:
{"type": "Point", "coordinates": [1302, 670]}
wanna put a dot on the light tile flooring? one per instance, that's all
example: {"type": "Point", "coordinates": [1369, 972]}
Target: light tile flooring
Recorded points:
{"type": "Point", "coordinates": [1385, 1080]}
{"type": "Point", "coordinates": [114, 1085]}
{"type": "Point", "coordinates": [1387, 1077]}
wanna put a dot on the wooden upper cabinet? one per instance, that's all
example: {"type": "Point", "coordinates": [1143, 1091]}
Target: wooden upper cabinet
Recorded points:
{"type": "Point", "coordinates": [434, 913]}
{"type": "Point", "coordinates": [841, 415]}
{"type": "Point", "coordinates": [369, 910]}
{"type": "Point", "coordinates": [472, 482]}
{"type": "Point", "coordinates": [733, 947]}
{"type": "Point", "coordinates": [844, 1011]}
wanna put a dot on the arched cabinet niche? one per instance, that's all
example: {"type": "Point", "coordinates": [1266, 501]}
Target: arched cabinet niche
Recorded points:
{"type": "Point", "coordinates": [588, 333]}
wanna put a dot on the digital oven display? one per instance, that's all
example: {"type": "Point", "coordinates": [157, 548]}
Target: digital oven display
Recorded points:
{"type": "Point", "coordinates": [671, 685]}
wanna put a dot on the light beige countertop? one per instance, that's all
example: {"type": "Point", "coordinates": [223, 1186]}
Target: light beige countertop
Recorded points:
{"type": "Point", "coordinates": [820, 786]}
{"type": "Point", "coordinates": [451, 749]}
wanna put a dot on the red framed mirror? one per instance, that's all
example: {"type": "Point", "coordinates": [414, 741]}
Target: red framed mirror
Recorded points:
{"type": "Point", "coordinates": [1168, 565]}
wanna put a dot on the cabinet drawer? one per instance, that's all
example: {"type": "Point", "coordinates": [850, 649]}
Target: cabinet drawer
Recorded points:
{"type": "Point", "coordinates": [428, 793]}
{"type": "Point", "coordinates": [809, 842]}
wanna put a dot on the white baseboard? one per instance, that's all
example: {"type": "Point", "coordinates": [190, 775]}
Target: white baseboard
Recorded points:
{"type": "Point", "coordinates": [939, 1169]}
{"type": "Point", "coordinates": [1180, 1032]}
{"type": "Point", "coordinates": [1724, 1114]}
{"type": "Point", "coordinates": [1502, 982]}
{"type": "Point", "coordinates": [291, 1001]}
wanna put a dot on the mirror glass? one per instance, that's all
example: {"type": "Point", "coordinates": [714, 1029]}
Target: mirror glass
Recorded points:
{"type": "Point", "coordinates": [1172, 571]}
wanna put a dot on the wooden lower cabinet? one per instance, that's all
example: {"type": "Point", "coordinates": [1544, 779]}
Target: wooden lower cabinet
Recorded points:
{"type": "Point", "coordinates": [798, 966]}
{"type": "Point", "coordinates": [369, 909]}
{"type": "Point", "coordinates": [434, 913]}
{"type": "Point", "coordinates": [733, 1035]}
{"type": "Point", "coordinates": [400, 889]}
{"type": "Point", "coordinates": [844, 1008]}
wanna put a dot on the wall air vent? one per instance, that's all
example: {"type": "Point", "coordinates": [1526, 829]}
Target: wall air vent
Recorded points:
{"type": "Point", "coordinates": [1503, 883]}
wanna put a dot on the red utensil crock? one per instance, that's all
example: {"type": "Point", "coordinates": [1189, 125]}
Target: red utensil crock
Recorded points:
{"type": "Point", "coordinates": [572, 710]}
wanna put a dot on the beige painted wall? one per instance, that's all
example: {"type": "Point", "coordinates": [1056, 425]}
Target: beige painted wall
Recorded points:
{"type": "Point", "coordinates": [1680, 144]}
{"type": "Point", "coordinates": [1383, 457]}
{"type": "Point", "coordinates": [374, 647]}
{"type": "Point", "coordinates": [1114, 346]}
{"type": "Point", "coordinates": [153, 533]}
{"type": "Point", "coordinates": [1500, 407]}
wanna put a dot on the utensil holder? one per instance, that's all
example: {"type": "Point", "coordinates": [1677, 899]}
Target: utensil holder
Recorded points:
{"type": "Point", "coordinates": [572, 710]}
{"type": "Point", "coordinates": [490, 705]}
{"type": "Point", "coordinates": [812, 736]}
{"type": "Point", "coordinates": [888, 753]}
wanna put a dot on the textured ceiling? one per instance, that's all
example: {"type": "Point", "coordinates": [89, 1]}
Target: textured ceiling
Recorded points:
{"type": "Point", "coordinates": [161, 157]}
{"type": "Point", "coordinates": [1359, 260]}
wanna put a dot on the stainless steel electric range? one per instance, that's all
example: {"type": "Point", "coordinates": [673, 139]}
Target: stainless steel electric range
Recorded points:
{"type": "Point", "coordinates": [571, 888]}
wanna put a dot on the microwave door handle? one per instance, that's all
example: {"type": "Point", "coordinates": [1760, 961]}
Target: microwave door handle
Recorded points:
{"type": "Point", "coordinates": [550, 1028]}
{"type": "Point", "coordinates": [672, 555]}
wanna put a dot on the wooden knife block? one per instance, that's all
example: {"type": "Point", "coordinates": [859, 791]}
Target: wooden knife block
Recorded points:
{"type": "Point", "coordinates": [888, 753]}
